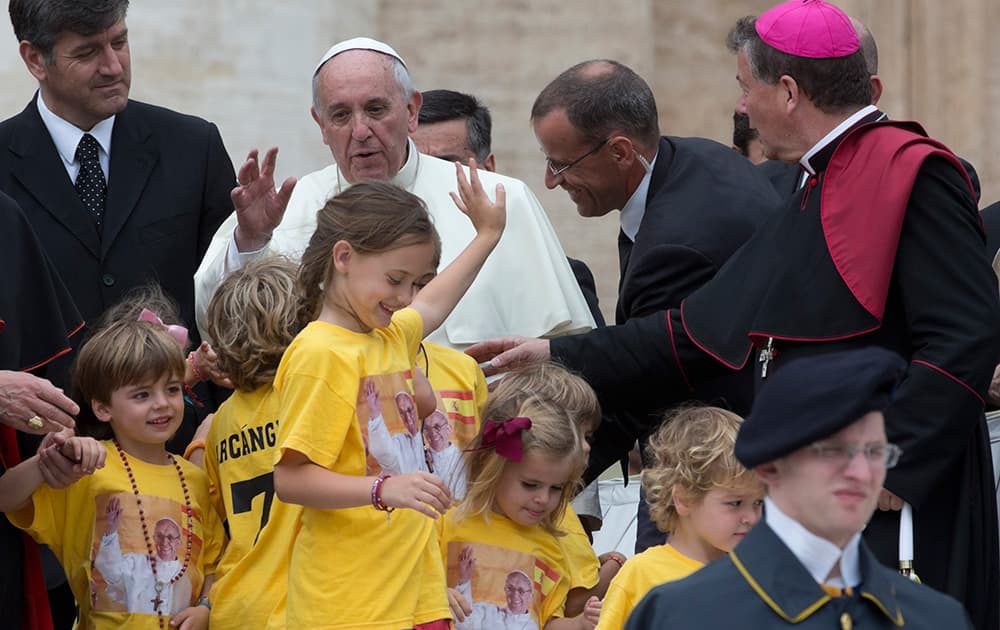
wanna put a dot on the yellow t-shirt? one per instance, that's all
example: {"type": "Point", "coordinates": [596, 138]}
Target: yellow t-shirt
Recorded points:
{"type": "Point", "coordinates": [251, 580]}
{"type": "Point", "coordinates": [110, 572]}
{"type": "Point", "coordinates": [354, 567]}
{"type": "Point", "coordinates": [519, 577]}
{"type": "Point", "coordinates": [460, 388]}
{"type": "Point", "coordinates": [637, 577]}
{"type": "Point", "coordinates": [581, 560]}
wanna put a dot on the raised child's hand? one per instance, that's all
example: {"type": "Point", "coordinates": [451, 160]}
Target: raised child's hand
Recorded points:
{"type": "Point", "coordinates": [203, 365]}
{"type": "Point", "coordinates": [419, 491]}
{"type": "Point", "coordinates": [487, 216]}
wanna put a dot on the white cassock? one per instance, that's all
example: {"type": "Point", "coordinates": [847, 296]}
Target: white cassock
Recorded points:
{"type": "Point", "coordinates": [486, 616]}
{"type": "Point", "coordinates": [449, 466]}
{"type": "Point", "coordinates": [525, 288]}
{"type": "Point", "coordinates": [130, 579]}
{"type": "Point", "coordinates": [396, 454]}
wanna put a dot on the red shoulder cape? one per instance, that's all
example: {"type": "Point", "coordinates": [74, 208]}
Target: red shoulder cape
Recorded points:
{"type": "Point", "coordinates": [874, 167]}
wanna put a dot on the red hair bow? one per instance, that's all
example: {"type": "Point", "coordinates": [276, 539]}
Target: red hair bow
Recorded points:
{"type": "Point", "coordinates": [505, 437]}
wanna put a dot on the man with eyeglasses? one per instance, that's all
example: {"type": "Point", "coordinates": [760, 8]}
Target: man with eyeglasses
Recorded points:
{"type": "Point", "coordinates": [816, 438]}
{"type": "Point", "coordinates": [517, 590]}
{"type": "Point", "coordinates": [131, 579]}
{"type": "Point", "coordinates": [444, 459]}
{"type": "Point", "coordinates": [686, 204]}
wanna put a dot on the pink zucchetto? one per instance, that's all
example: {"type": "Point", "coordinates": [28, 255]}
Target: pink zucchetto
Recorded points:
{"type": "Point", "coordinates": [808, 28]}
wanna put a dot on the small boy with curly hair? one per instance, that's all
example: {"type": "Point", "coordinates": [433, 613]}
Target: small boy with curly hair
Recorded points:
{"type": "Point", "coordinates": [699, 494]}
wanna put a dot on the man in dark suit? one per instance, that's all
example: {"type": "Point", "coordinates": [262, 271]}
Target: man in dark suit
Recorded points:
{"type": "Point", "coordinates": [686, 205]}
{"type": "Point", "coordinates": [119, 192]}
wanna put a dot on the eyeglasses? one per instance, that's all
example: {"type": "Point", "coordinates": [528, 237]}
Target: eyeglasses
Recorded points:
{"type": "Point", "coordinates": [440, 429]}
{"type": "Point", "coordinates": [559, 170]}
{"type": "Point", "coordinates": [510, 590]}
{"type": "Point", "coordinates": [165, 538]}
{"type": "Point", "coordinates": [876, 453]}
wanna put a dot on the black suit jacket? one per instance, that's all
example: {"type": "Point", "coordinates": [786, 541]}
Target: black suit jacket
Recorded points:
{"type": "Point", "coordinates": [169, 183]}
{"type": "Point", "coordinates": [704, 201]}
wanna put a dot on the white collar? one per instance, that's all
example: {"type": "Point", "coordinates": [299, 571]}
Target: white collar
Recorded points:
{"type": "Point", "coordinates": [406, 178]}
{"type": "Point", "coordinates": [817, 555]}
{"type": "Point", "coordinates": [833, 135]}
{"type": "Point", "coordinates": [66, 135]}
{"type": "Point", "coordinates": [635, 208]}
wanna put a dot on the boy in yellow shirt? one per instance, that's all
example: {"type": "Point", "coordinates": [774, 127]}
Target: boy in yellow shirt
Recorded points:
{"type": "Point", "coordinates": [699, 493]}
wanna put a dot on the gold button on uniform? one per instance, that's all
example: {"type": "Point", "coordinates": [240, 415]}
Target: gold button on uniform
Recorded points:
{"type": "Point", "coordinates": [845, 622]}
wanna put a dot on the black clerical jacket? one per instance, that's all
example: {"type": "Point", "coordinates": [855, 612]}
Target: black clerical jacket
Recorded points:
{"type": "Point", "coordinates": [923, 288]}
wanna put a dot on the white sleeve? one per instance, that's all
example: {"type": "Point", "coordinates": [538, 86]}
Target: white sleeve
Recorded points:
{"type": "Point", "coordinates": [221, 259]}
{"type": "Point", "coordinates": [109, 560]}
{"type": "Point", "coordinates": [477, 618]}
{"type": "Point", "coordinates": [383, 447]}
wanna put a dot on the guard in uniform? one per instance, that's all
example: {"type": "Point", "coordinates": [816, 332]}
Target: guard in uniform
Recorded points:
{"type": "Point", "coordinates": [816, 438]}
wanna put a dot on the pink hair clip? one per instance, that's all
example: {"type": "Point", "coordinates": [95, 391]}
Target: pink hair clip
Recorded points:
{"type": "Point", "coordinates": [179, 333]}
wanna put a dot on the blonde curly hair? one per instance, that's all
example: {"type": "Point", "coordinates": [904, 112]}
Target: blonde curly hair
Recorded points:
{"type": "Point", "coordinates": [252, 319]}
{"type": "Point", "coordinates": [554, 433]}
{"type": "Point", "coordinates": [691, 453]}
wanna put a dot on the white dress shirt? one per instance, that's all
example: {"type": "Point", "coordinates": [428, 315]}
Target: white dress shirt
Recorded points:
{"type": "Point", "coordinates": [818, 555]}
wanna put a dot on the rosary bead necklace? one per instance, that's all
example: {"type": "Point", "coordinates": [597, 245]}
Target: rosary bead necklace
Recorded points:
{"type": "Point", "coordinates": [150, 553]}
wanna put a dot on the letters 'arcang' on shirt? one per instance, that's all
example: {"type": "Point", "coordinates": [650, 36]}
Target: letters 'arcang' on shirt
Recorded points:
{"type": "Point", "coordinates": [251, 580]}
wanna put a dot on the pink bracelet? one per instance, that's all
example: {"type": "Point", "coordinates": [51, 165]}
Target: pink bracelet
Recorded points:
{"type": "Point", "coordinates": [193, 360]}
{"type": "Point", "coordinates": [614, 558]}
{"type": "Point", "coordinates": [377, 502]}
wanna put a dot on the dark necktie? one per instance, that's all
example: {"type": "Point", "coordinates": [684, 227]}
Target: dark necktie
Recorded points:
{"type": "Point", "coordinates": [624, 252]}
{"type": "Point", "coordinates": [90, 184]}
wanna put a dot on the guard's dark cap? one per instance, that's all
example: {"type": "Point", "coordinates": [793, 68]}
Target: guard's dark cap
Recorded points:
{"type": "Point", "coordinates": [811, 398]}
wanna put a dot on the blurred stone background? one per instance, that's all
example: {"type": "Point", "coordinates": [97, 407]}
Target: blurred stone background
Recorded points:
{"type": "Point", "coordinates": [246, 65]}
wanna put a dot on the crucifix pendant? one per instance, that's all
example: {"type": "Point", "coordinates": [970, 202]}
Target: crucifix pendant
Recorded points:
{"type": "Point", "coordinates": [157, 601]}
{"type": "Point", "coordinates": [766, 356]}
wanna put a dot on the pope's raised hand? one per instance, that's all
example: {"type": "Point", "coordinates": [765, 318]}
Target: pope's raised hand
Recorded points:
{"type": "Point", "coordinates": [259, 207]}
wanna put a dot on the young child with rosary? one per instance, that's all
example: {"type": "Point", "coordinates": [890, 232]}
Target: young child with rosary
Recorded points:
{"type": "Point", "coordinates": [138, 538]}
